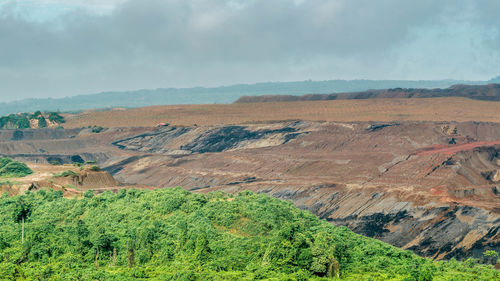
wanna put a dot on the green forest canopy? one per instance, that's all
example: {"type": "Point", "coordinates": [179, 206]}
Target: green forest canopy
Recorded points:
{"type": "Point", "coordinates": [172, 234]}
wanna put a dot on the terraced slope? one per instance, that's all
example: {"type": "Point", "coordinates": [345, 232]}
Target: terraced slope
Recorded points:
{"type": "Point", "coordinates": [431, 187]}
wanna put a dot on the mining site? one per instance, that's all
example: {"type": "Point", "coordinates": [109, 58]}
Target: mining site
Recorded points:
{"type": "Point", "coordinates": [432, 187]}
{"type": "Point", "coordinates": [233, 140]}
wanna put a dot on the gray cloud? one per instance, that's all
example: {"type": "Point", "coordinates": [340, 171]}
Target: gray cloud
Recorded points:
{"type": "Point", "coordinates": [153, 43]}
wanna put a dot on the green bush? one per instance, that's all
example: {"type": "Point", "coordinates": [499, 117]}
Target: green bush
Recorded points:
{"type": "Point", "coordinates": [67, 173]}
{"type": "Point", "coordinates": [95, 168]}
{"type": "Point", "coordinates": [15, 169]}
{"type": "Point", "coordinates": [36, 114]}
{"type": "Point", "coordinates": [4, 161]}
{"type": "Point", "coordinates": [97, 129]}
{"type": "Point", "coordinates": [56, 118]}
{"type": "Point", "coordinates": [54, 162]}
{"type": "Point", "coordinates": [23, 123]}
{"type": "Point", "coordinates": [88, 194]}
{"type": "Point", "coordinates": [42, 123]}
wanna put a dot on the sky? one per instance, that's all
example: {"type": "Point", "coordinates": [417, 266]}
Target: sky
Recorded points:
{"type": "Point", "coordinates": [57, 48]}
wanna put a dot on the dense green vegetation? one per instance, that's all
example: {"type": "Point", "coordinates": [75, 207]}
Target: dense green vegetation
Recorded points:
{"type": "Point", "coordinates": [14, 121]}
{"type": "Point", "coordinates": [172, 234]}
{"type": "Point", "coordinates": [13, 169]}
{"type": "Point", "coordinates": [22, 120]}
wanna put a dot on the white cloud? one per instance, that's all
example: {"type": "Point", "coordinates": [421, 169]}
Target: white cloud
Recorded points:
{"type": "Point", "coordinates": [79, 46]}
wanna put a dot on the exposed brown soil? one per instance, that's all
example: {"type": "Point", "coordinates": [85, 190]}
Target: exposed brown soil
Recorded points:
{"type": "Point", "coordinates": [451, 149]}
{"type": "Point", "coordinates": [429, 186]}
{"type": "Point", "coordinates": [384, 110]}
{"type": "Point", "coordinates": [49, 176]}
{"type": "Point", "coordinates": [403, 182]}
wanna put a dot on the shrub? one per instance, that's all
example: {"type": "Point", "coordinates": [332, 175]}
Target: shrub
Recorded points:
{"type": "Point", "coordinates": [4, 161]}
{"type": "Point", "coordinates": [88, 194]}
{"type": "Point", "coordinates": [42, 123]}
{"type": "Point", "coordinates": [54, 162]}
{"type": "Point", "coordinates": [56, 118]}
{"type": "Point", "coordinates": [97, 129]}
{"type": "Point", "coordinates": [67, 173]}
{"type": "Point", "coordinates": [36, 114]}
{"type": "Point", "coordinates": [23, 123]}
{"type": "Point", "coordinates": [95, 168]}
{"type": "Point", "coordinates": [15, 169]}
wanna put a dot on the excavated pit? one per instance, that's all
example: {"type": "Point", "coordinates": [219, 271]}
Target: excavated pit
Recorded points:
{"type": "Point", "coordinates": [404, 183]}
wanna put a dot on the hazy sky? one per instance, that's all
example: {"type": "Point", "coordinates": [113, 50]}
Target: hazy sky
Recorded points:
{"type": "Point", "coordinates": [55, 48]}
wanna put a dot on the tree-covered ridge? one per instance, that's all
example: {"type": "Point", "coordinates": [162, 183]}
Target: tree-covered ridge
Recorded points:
{"type": "Point", "coordinates": [172, 234]}
{"type": "Point", "coordinates": [31, 120]}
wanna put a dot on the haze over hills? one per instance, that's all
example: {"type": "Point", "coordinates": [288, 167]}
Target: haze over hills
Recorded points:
{"type": "Point", "coordinates": [249, 140]}
{"type": "Point", "coordinates": [490, 92]}
{"type": "Point", "coordinates": [224, 94]}
{"type": "Point", "coordinates": [420, 174]}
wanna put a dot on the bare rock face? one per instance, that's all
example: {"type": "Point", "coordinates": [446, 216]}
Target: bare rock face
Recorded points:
{"type": "Point", "coordinates": [179, 140]}
{"type": "Point", "coordinates": [496, 176]}
{"type": "Point", "coordinates": [403, 183]}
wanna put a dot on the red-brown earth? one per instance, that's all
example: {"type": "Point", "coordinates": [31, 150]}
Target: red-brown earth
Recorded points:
{"type": "Point", "coordinates": [432, 187]}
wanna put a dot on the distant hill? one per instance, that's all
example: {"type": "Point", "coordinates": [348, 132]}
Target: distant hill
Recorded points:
{"type": "Point", "coordinates": [495, 80]}
{"type": "Point", "coordinates": [490, 92]}
{"type": "Point", "coordinates": [225, 94]}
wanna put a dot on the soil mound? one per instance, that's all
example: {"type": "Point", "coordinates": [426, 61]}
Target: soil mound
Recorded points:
{"type": "Point", "coordinates": [87, 180]}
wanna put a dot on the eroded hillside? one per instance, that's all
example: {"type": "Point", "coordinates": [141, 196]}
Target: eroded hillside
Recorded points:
{"type": "Point", "coordinates": [432, 187]}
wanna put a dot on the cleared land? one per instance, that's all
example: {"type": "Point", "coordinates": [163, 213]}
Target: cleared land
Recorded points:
{"type": "Point", "coordinates": [435, 109]}
{"type": "Point", "coordinates": [415, 179]}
